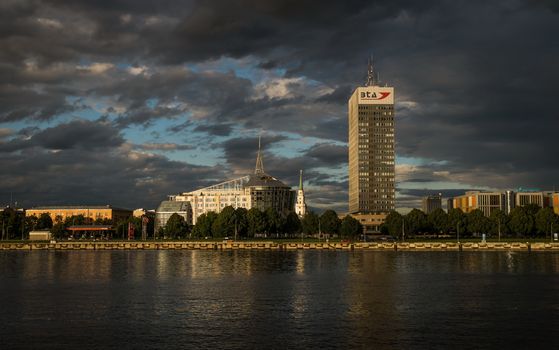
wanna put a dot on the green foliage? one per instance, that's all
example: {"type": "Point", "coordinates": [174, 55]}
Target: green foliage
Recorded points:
{"type": "Point", "coordinates": [546, 220]}
{"type": "Point", "coordinates": [292, 224]}
{"type": "Point", "coordinates": [224, 225]}
{"type": "Point", "coordinates": [350, 227]}
{"type": "Point", "coordinates": [330, 222]}
{"type": "Point", "coordinates": [12, 224]}
{"type": "Point", "coordinates": [532, 209]}
{"type": "Point", "coordinates": [522, 221]}
{"type": "Point", "coordinates": [457, 220]}
{"type": "Point", "coordinates": [310, 223]}
{"type": "Point", "coordinates": [438, 221]}
{"type": "Point", "coordinates": [241, 222]}
{"type": "Point", "coordinates": [256, 221]}
{"type": "Point", "coordinates": [44, 222]}
{"type": "Point", "coordinates": [58, 230]}
{"type": "Point", "coordinates": [273, 221]}
{"type": "Point", "coordinates": [204, 223]}
{"type": "Point", "coordinates": [477, 222]}
{"type": "Point", "coordinates": [416, 222]}
{"type": "Point", "coordinates": [499, 221]}
{"type": "Point", "coordinates": [176, 227]}
{"type": "Point", "coordinates": [393, 224]}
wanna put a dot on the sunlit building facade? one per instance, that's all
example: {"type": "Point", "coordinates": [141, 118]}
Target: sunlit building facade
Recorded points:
{"type": "Point", "coordinates": [257, 190]}
{"type": "Point", "coordinates": [371, 147]}
{"type": "Point", "coordinates": [93, 212]}
{"type": "Point", "coordinates": [487, 202]}
{"type": "Point", "coordinates": [300, 204]}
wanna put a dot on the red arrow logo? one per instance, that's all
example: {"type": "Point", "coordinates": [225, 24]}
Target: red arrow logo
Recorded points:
{"type": "Point", "coordinates": [383, 95]}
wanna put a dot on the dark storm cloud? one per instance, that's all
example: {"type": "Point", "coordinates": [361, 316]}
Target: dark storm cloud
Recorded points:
{"type": "Point", "coordinates": [329, 153]}
{"type": "Point", "coordinates": [475, 81]}
{"type": "Point", "coordinates": [168, 147]}
{"type": "Point", "coordinates": [82, 134]}
{"type": "Point", "coordinates": [215, 129]}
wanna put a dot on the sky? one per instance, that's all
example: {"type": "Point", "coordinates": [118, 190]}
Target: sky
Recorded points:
{"type": "Point", "coordinates": [124, 102]}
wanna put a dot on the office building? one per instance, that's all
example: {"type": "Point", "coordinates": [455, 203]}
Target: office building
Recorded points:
{"type": "Point", "coordinates": [487, 202]}
{"type": "Point", "coordinates": [430, 203]}
{"type": "Point", "coordinates": [371, 147]}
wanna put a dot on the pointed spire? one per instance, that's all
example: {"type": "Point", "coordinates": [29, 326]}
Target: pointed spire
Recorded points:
{"type": "Point", "coordinates": [301, 180]}
{"type": "Point", "coordinates": [259, 169]}
{"type": "Point", "coordinates": [372, 79]}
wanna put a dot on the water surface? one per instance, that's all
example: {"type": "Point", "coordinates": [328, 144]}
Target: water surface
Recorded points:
{"type": "Point", "coordinates": [278, 299]}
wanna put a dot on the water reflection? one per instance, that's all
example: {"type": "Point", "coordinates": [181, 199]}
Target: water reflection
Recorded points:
{"type": "Point", "coordinates": [277, 299]}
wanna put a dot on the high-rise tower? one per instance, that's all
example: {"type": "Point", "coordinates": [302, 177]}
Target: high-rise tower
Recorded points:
{"type": "Point", "coordinates": [371, 147]}
{"type": "Point", "coordinates": [300, 205]}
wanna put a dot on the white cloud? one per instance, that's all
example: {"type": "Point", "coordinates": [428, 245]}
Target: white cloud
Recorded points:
{"type": "Point", "coordinates": [50, 23]}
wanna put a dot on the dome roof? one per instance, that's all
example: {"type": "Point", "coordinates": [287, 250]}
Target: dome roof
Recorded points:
{"type": "Point", "coordinates": [264, 180]}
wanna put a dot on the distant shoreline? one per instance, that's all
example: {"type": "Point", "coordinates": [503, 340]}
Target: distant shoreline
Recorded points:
{"type": "Point", "coordinates": [273, 245]}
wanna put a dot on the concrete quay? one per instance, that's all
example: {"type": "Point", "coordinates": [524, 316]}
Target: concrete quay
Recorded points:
{"type": "Point", "coordinates": [272, 245]}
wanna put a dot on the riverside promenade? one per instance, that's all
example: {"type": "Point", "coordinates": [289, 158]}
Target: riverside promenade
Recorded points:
{"type": "Point", "coordinates": [273, 245]}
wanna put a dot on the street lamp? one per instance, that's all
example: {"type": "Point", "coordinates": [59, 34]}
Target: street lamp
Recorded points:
{"type": "Point", "coordinates": [319, 231]}
{"type": "Point", "coordinates": [403, 231]}
{"type": "Point", "coordinates": [458, 232]}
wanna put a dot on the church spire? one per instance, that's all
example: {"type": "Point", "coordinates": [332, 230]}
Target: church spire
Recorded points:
{"type": "Point", "coordinates": [259, 169]}
{"type": "Point", "coordinates": [301, 180]}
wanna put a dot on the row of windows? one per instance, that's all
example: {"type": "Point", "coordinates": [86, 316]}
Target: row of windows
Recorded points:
{"type": "Point", "coordinates": [376, 107]}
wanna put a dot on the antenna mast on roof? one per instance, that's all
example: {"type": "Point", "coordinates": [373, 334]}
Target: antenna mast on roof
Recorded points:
{"type": "Point", "coordinates": [259, 169]}
{"type": "Point", "coordinates": [371, 78]}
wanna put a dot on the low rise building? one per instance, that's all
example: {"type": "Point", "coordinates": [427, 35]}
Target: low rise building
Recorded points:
{"type": "Point", "coordinates": [371, 222]}
{"type": "Point", "coordinates": [487, 202]}
{"type": "Point", "coordinates": [168, 208]}
{"type": "Point", "coordinates": [92, 212]}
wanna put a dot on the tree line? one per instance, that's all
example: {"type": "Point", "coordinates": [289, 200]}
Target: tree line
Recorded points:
{"type": "Point", "coordinates": [527, 221]}
{"type": "Point", "coordinates": [15, 225]}
{"type": "Point", "coordinates": [242, 223]}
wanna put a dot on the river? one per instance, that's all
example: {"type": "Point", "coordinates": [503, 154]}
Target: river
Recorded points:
{"type": "Point", "coordinates": [278, 299]}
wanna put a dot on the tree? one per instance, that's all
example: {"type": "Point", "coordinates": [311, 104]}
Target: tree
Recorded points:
{"type": "Point", "coordinates": [256, 222]}
{"type": "Point", "coordinates": [350, 227]}
{"type": "Point", "coordinates": [545, 220]}
{"type": "Point", "coordinates": [457, 221]}
{"type": "Point", "coordinates": [292, 224]}
{"type": "Point", "coordinates": [521, 221]}
{"type": "Point", "coordinates": [477, 222]}
{"type": "Point", "coordinates": [532, 208]}
{"type": "Point", "coordinates": [330, 222]}
{"type": "Point", "coordinates": [416, 222]}
{"type": "Point", "coordinates": [310, 223]}
{"type": "Point", "coordinates": [44, 222]}
{"type": "Point", "coordinates": [272, 221]}
{"type": "Point", "coordinates": [176, 226]}
{"type": "Point", "coordinates": [59, 231]}
{"type": "Point", "coordinates": [241, 222]}
{"type": "Point", "coordinates": [204, 223]}
{"type": "Point", "coordinates": [393, 224]}
{"type": "Point", "coordinates": [224, 225]}
{"type": "Point", "coordinates": [438, 220]}
{"type": "Point", "coordinates": [499, 222]}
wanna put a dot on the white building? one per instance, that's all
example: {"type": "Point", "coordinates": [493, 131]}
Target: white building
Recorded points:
{"type": "Point", "coordinates": [300, 204]}
{"type": "Point", "coordinates": [258, 190]}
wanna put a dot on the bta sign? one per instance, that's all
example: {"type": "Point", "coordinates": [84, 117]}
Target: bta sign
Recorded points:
{"type": "Point", "coordinates": [372, 95]}
{"type": "Point", "coordinates": [375, 95]}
